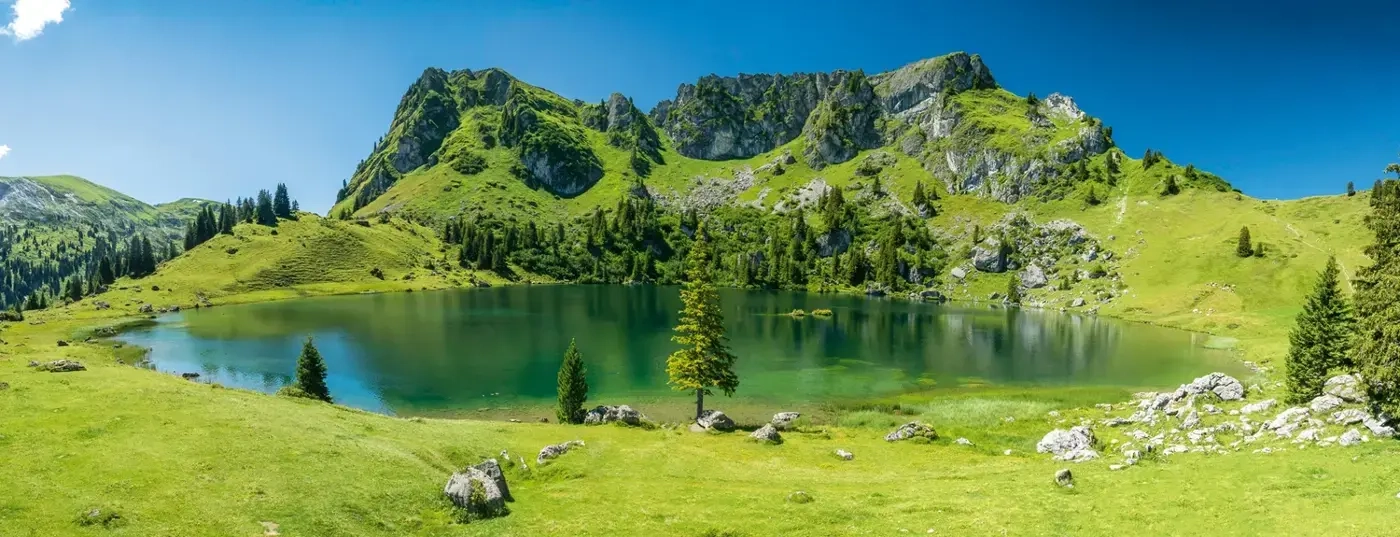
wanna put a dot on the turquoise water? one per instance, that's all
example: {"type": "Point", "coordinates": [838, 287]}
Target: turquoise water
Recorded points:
{"type": "Point", "coordinates": [453, 351]}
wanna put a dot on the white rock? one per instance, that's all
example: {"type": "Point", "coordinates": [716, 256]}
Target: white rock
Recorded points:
{"type": "Point", "coordinates": [1257, 407]}
{"type": "Point", "coordinates": [1350, 438]}
{"type": "Point", "coordinates": [1007, 452]}
{"type": "Point", "coordinates": [1291, 415]}
{"type": "Point", "coordinates": [1190, 421]}
{"type": "Point", "coordinates": [1349, 416]}
{"type": "Point", "coordinates": [1060, 441]}
{"type": "Point", "coordinates": [845, 455]}
{"type": "Point", "coordinates": [1116, 467]}
{"type": "Point", "coordinates": [1325, 403]}
{"type": "Point", "coordinates": [1378, 428]}
{"type": "Point", "coordinates": [1346, 387]}
{"type": "Point", "coordinates": [963, 442]}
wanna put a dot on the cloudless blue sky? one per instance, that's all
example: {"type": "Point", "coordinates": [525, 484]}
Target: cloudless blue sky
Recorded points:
{"type": "Point", "coordinates": [164, 99]}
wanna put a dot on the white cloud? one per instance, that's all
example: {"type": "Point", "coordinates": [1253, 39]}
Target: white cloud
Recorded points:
{"type": "Point", "coordinates": [31, 16]}
{"type": "Point", "coordinates": [4, 150]}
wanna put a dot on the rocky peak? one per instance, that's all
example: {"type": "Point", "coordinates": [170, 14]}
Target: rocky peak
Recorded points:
{"type": "Point", "coordinates": [1063, 105]}
{"type": "Point", "coordinates": [918, 83]}
{"type": "Point", "coordinates": [843, 123]}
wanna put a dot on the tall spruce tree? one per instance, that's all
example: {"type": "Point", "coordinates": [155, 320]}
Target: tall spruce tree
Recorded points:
{"type": "Point", "coordinates": [704, 362]}
{"type": "Point", "coordinates": [281, 202]}
{"type": "Point", "coordinates": [1376, 349]}
{"type": "Point", "coordinates": [264, 213]}
{"type": "Point", "coordinates": [1319, 341]}
{"type": "Point", "coordinates": [311, 372]}
{"type": "Point", "coordinates": [573, 386]}
{"type": "Point", "coordinates": [1013, 290]}
{"type": "Point", "coordinates": [1243, 247]}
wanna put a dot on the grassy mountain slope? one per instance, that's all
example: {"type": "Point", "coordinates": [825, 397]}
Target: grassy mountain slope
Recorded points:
{"type": "Point", "coordinates": [308, 256]}
{"type": "Point", "coordinates": [62, 199]}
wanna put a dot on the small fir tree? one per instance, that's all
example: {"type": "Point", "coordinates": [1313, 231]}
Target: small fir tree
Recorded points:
{"type": "Point", "coordinates": [1318, 343]}
{"type": "Point", "coordinates": [1013, 290]}
{"type": "Point", "coordinates": [1243, 248]}
{"type": "Point", "coordinates": [1351, 189]}
{"type": "Point", "coordinates": [573, 386]}
{"type": "Point", "coordinates": [311, 373]}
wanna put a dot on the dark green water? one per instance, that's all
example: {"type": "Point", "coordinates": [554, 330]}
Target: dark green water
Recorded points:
{"type": "Point", "coordinates": [458, 351]}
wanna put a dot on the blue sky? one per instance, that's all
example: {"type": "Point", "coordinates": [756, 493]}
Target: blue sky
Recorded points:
{"type": "Point", "coordinates": [164, 99]}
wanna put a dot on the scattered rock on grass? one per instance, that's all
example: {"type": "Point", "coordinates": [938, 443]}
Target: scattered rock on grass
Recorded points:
{"type": "Point", "coordinates": [1349, 416]}
{"type": "Point", "coordinates": [1076, 444]}
{"type": "Point", "coordinates": [1064, 478]}
{"type": "Point", "coordinates": [613, 414]}
{"type": "Point", "coordinates": [800, 497]}
{"type": "Point", "coordinates": [62, 343]}
{"type": "Point", "coordinates": [963, 442]}
{"type": "Point", "coordinates": [767, 434]}
{"type": "Point", "coordinates": [1257, 407]}
{"type": "Point", "coordinates": [1379, 427]}
{"type": "Point", "coordinates": [1345, 387]}
{"type": "Point", "coordinates": [910, 430]}
{"type": "Point", "coordinates": [1350, 438]}
{"type": "Point", "coordinates": [61, 366]}
{"type": "Point", "coordinates": [106, 518]}
{"type": "Point", "coordinates": [845, 455]}
{"type": "Point", "coordinates": [477, 491]}
{"type": "Point", "coordinates": [715, 420]}
{"type": "Point", "coordinates": [555, 450]}
{"type": "Point", "coordinates": [783, 420]}
{"type": "Point", "coordinates": [1325, 403]}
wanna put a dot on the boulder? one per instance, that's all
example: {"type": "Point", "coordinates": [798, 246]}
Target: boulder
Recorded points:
{"type": "Point", "coordinates": [1257, 407]}
{"type": "Point", "coordinates": [553, 451]}
{"type": "Point", "coordinates": [715, 420]}
{"type": "Point", "coordinates": [61, 366]}
{"type": "Point", "coordinates": [1287, 417]}
{"type": "Point", "coordinates": [1060, 442]}
{"type": "Point", "coordinates": [1033, 277]}
{"type": "Point", "coordinates": [1349, 416]}
{"type": "Point", "coordinates": [1350, 438]}
{"type": "Point", "coordinates": [767, 434]}
{"type": "Point", "coordinates": [1191, 421]}
{"type": "Point", "coordinates": [146, 308]}
{"type": "Point", "coordinates": [1345, 387]}
{"type": "Point", "coordinates": [800, 497]}
{"type": "Point", "coordinates": [1378, 427]}
{"type": "Point", "coordinates": [910, 430]}
{"type": "Point", "coordinates": [1064, 478]}
{"type": "Point", "coordinates": [1325, 403]}
{"type": "Point", "coordinates": [783, 420]}
{"type": "Point", "coordinates": [963, 442]}
{"type": "Point", "coordinates": [1077, 303]}
{"type": "Point", "coordinates": [987, 257]}
{"type": "Point", "coordinates": [492, 469]}
{"type": "Point", "coordinates": [476, 491]}
{"type": "Point", "coordinates": [845, 455]}
{"type": "Point", "coordinates": [62, 343]}
{"type": "Point", "coordinates": [958, 272]}
{"type": "Point", "coordinates": [611, 414]}
{"type": "Point", "coordinates": [1224, 386]}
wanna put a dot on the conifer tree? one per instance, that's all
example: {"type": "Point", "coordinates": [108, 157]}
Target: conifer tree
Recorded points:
{"type": "Point", "coordinates": [105, 274]}
{"type": "Point", "coordinates": [311, 372]}
{"type": "Point", "coordinates": [1351, 189]}
{"type": "Point", "coordinates": [1013, 290]}
{"type": "Point", "coordinates": [704, 362]}
{"type": "Point", "coordinates": [281, 202]}
{"type": "Point", "coordinates": [264, 213]}
{"type": "Point", "coordinates": [1243, 248]}
{"type": "Point", "coordinates": [1376, 349]}
{"type": "Point", "coordinates": [919, 199]}
{"type": "Point", "coordinates": [1318, 343]}
{"type": "Point", "coordinates": [573, 386]}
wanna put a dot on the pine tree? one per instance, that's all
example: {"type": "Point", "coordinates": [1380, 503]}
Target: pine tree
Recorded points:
{"type": "Point", "coordinates": [105, 274]}
{"type": "Point", "coordinates": [1243, 247]}
{"type": "Point", "coordinates": [919, 199]}
{"type": "Point", "coordinates": [704, 362]}
{"type": "Point", "coordinates": [1013, 290]}
{"type": "Point", "coordinates": [1171, 188]}
{"type": "Point", "coordinates": [311, 372]}
{"type": "Point", "coordinates": [281, 202]}
{"type": "Point", "coordinates": [1377, 345]}
{"type": "Point", "coordinates": [1318, 343]}
{"type": "Point", "coordinates": [573, 386]}
{"type": "Point", "coordinates": [1351, 189]}
{"type": "Point", "coordinates": [264, 214]}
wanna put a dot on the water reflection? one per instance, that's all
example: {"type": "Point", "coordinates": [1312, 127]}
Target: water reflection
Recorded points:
{"type": "Point", "coordinates": [421, 352]}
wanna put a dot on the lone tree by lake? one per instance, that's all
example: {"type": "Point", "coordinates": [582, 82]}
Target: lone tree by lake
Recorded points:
{"type": "Point", "coordinates": [573, 387]}
{"type": "Point", "coordinates": [311, 373]}
{"type": "Point", "coordinates": [1319, 342]}
{"type": "Point", "coordinates": [704, 362]}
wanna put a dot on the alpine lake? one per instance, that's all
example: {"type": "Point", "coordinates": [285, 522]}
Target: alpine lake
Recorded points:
{"type": "Point", "coordinates": [494, 353]}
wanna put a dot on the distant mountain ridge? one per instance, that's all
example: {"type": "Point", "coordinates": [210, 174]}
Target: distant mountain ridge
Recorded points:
{"type": "Point", "coordinates": [60, 199]}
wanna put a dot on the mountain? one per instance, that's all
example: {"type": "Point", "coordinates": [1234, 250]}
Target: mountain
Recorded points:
{"type": "Point", "coordinates": [53, 228]}
{"type": "Point", "coordinates": [930, 177]}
